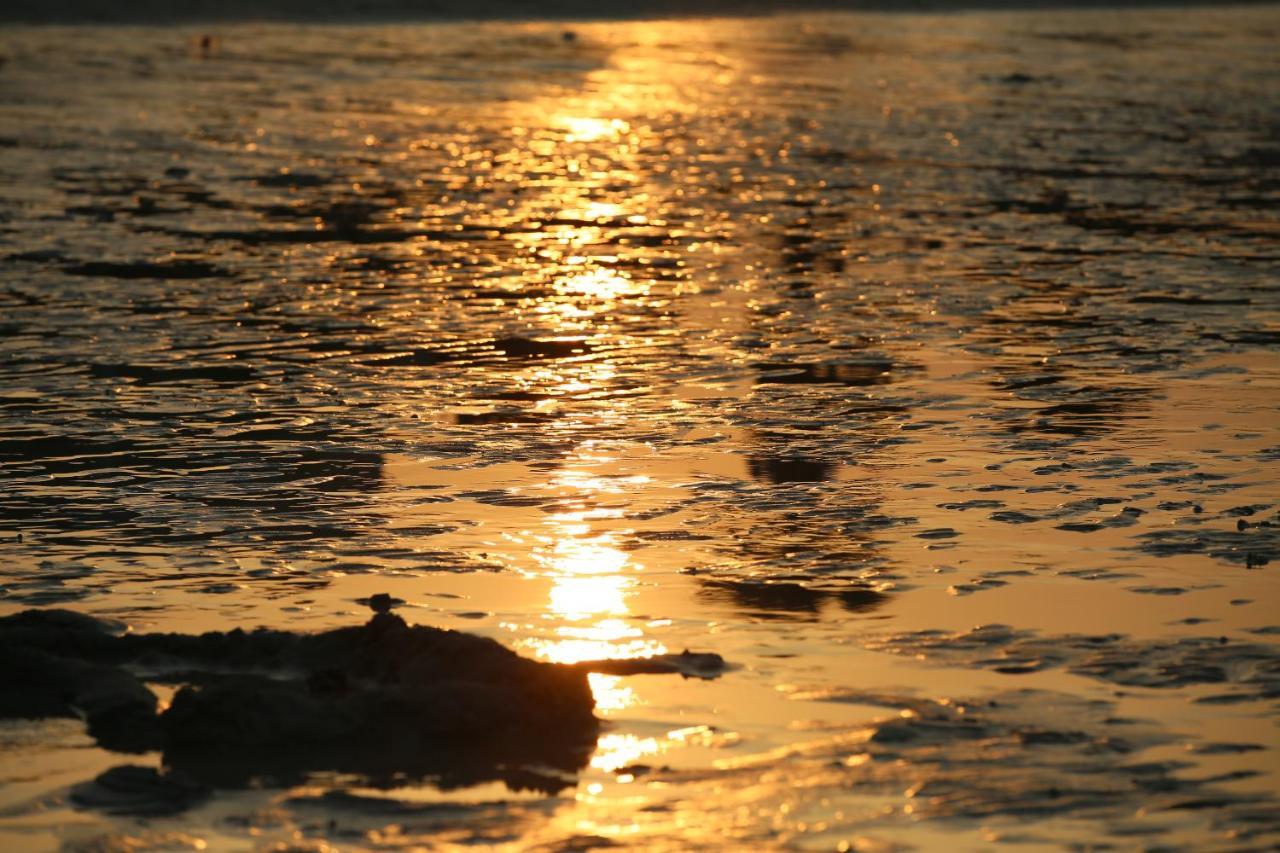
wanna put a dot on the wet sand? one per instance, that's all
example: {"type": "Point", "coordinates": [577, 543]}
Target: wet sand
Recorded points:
{"type": "Point", "coordinates": [923, 367]}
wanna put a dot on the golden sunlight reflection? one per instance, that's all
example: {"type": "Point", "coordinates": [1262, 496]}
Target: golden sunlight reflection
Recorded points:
{"type": "Point", "coordinates": [611, 692]}
{"type": "Point", "coordinates": [587, 146]}
{"type": "Point", "coordinates": [591, 129]}
{"type": "Point", "coordinates": [591, 579]}
{"type": "Point", "coordinates": [607, 638]}
{"type": "Point", "coordinates": [575, 557]}
{"type": "Point", "coordinates": [615, 751]}
{"type": "Point", "coordinates": [600, 283]}
{"type": "Point", "coordinates": [579, 598]}
{"type": "Point", "coordinates": [594, 211]}
{"type": "Point", "coordinates": [587, 482]}
{"type": "Point", "coordinates": [570, 379]}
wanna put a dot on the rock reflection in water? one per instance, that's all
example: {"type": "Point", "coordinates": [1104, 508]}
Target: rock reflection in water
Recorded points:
{"type": "Point", "coordinates": [545, 767]}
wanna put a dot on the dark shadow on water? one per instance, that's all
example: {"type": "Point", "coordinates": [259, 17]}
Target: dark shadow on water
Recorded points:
{"type": "Point", "coordinates": [787, 600]}
{"type": "Point", "coordinates": [189, 776]}
{"type": "Point", "coordinates": [871, 372]}
{"type": "Point", "coordinates": [542, 765]}
{"type": "Point", "coordinates": [780, 470]}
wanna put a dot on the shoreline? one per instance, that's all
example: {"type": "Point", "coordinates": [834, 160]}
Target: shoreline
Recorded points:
{"type": "Point", "coordinates": [152, 13]}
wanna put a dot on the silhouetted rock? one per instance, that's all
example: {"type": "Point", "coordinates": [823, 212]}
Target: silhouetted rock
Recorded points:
{"type": "Point", "coordinates": [383, 688]}
{"type": "Point", "coordinates": [418, 682]}
{"type": "Point", "coordinates": [50, 664]}
{"type": "Point", "coordinates": [385, 700]}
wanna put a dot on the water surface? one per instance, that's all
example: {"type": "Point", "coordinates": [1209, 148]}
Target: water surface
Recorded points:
{"type": "Point", "coordinates": [924, 367]}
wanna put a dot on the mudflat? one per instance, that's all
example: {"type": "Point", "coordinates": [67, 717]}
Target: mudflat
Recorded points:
{"type": "Point", "coordinates": [923, 367]}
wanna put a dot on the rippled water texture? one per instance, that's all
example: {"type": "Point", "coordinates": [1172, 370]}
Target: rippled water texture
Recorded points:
{"type": "Point", "coordinates": [924, 367]}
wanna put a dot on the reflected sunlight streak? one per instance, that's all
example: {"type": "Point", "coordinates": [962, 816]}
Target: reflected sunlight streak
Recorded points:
{"type": "Point", "coordinates": [589, 129]}
{"type": "Point", "coordinates": [588, 597]}
{"type": "Point", "coordinates": [611, 693]}
{"type": "Point", "coordinates": [615, 751]}
{"type": "Point", "coordinates": [578, 598]}
{"type": "Point", "coordinates": [606, 639]}
{"type": "Point", "coordinates": [599, 283]}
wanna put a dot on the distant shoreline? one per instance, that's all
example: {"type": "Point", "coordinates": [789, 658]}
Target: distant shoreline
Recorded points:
{"type": "Point", "coordinates": [162, 12]}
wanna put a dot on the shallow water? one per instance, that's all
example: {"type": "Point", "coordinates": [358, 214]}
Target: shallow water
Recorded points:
{"type": "Point", "coordinates": [924, 367]}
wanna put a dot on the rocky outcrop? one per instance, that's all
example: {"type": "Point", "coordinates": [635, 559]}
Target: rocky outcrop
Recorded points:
{"type": "Point", "coordinates": [381, 699]}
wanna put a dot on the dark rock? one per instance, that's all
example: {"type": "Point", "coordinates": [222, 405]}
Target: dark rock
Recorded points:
{"type": "Point", "coordinates": [380, 682]}
{"type": "Point", "coordinates": [50, 663]}
{"type": "Point", "coordinates": [117, 707]}
{"type": "Point", "coordinates": [385, 699]}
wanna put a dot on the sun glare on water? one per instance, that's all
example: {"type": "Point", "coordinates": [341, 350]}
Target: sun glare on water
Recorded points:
{"type": "Point", "coordinates": [591, 128]}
